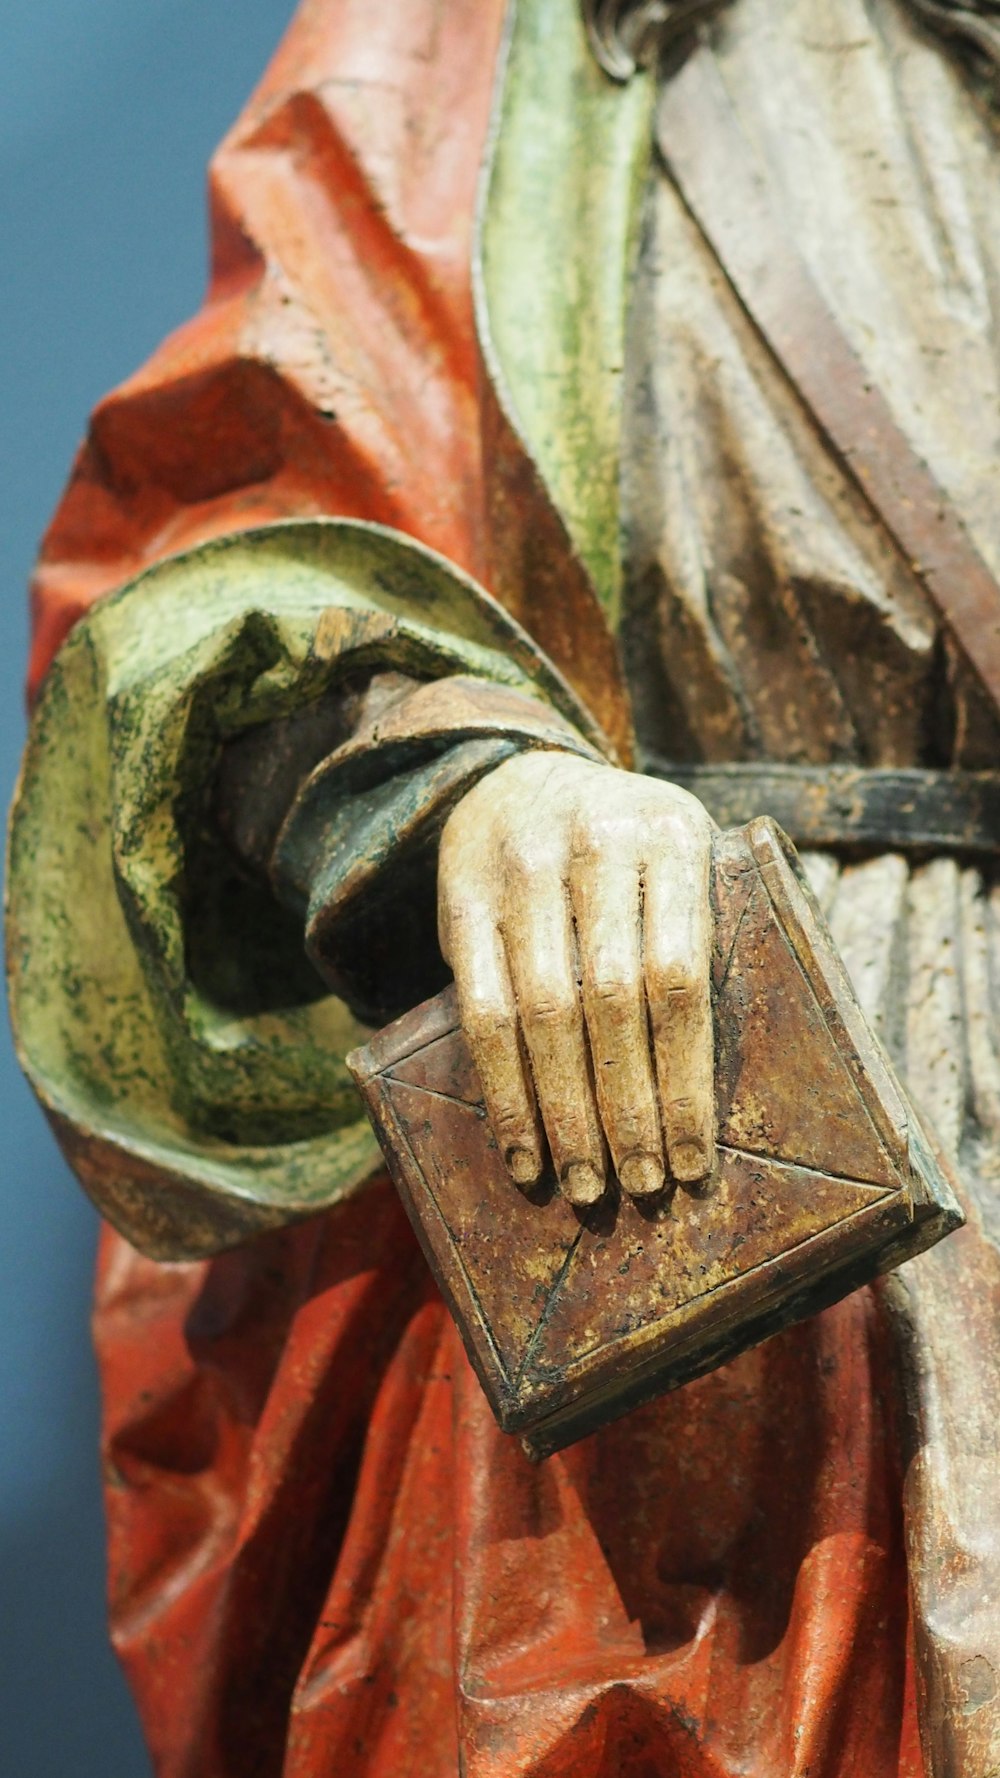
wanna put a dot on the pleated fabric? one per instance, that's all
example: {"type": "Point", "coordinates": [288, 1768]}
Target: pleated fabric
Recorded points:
{"type": "Point", "coordinates": [326, 1559]}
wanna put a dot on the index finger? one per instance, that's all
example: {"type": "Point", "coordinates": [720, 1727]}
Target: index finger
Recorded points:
{"type": "Point", "coordinates": [488, 1012]}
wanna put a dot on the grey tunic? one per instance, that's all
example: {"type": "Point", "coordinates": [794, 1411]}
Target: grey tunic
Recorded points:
{"type": "Point", "coordinates": [787, 626]}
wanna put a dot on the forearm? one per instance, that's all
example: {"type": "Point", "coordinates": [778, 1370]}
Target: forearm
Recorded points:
{"type": "Point", "coordinates": [342, 810]}
{"type": "Point", "coordinates": [191, 1059]}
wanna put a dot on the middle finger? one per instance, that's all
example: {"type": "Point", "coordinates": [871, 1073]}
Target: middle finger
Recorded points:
{"type": "Point", "coordinates": [606, 902]}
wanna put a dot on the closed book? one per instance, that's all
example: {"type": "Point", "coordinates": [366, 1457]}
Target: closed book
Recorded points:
{"type": "Point", "coordinates": [823, 1177]}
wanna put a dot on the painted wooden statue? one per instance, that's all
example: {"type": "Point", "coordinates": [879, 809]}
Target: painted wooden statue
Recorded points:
{"type": "Point", "coordinates": [573, 390]}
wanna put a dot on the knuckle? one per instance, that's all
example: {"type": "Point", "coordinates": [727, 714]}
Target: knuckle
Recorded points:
{"type": "Point", "coordinates": [509, 1122]}
{"type": "Point", "coordinates": [527, 862]}
{"type": "Point", "coordinates": [609, 986]}
{"type": "Point", "coordinates": [680, 1112]}
{"type": "Point", "coordinates": [682, 809]}
{"type": "Point", "coordinates": [686, 840]}
{"type": "Point", "coordinates": [566, 1127]}
{"type": "Point", "coordinates": [521, 867]}
{"type": "Point", "coordinates": [674, 980]}
{"type": "Point", "coordinates": [550, 1007]}
{"type": "Point", "coordinates": [603, 833]}
{"type": "Point", "coordinates": [486, 1019]}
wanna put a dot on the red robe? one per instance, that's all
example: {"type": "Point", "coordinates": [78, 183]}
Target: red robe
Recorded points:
{"type": "Point", "coordinates": [324, 1559]}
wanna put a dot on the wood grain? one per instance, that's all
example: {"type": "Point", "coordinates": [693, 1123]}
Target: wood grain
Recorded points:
{"type": "Point", "coordinates": [822, 1179]}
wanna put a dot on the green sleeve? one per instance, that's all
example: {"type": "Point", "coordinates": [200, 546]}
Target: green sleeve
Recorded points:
{"type": "Point", "coordinates": [188, 1056]}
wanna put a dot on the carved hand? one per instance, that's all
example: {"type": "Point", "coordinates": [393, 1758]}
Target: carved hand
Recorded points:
{"type": "Point", "coordinates": [573, 907]}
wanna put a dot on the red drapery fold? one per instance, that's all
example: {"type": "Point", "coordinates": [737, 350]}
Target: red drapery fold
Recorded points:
{"type": "Point", "coordinates": [334, 366]}
{"type": "Point", "coordinates": [324, 1557]}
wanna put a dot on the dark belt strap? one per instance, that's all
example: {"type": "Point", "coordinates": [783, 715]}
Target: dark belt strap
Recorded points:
{"type": "Point", "coordinates": [713, 166]}
{"type": "Point", "coordinates": [852, 808]}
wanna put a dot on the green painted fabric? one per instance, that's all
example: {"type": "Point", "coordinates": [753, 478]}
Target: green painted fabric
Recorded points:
{"type": "Point", "coordinates": [189, 1056]}
{"type": "Point", "coordinates": [190, 1059]}
{"type": "Point", "coordinates": [558, 237]}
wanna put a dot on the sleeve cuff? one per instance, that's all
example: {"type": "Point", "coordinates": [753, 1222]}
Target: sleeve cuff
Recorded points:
{"type": "Point", "coordinates": [357, 852]}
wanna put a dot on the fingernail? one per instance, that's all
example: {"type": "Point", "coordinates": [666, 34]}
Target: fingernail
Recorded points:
{"type": "Point", "coordinates": [688, 1160]}
{"type": "Point", "coordinates": [582, 1184]}
{"type": "Point", "coordinates": [641, 1175]}
{"type": "Point", "coordinates": [523, 1166]}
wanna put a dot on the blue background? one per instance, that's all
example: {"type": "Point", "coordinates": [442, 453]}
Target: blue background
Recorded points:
{"type": "Point", "coordinates": [108, 112]}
